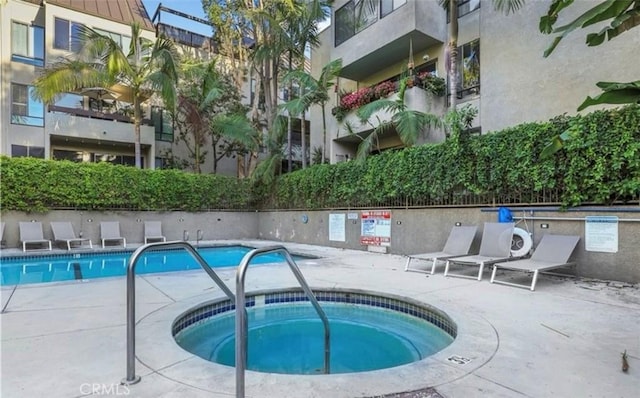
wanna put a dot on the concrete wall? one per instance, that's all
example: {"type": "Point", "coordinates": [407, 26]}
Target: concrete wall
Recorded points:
{"type": "Point", "coordinates": [215, 225]}
{"type": "Point", "coordinates": [412, 231]}
{"type": "Point", "coordinates": [426, 230]}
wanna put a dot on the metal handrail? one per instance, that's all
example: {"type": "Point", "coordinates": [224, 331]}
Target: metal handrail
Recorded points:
{"type": "Point", "coordinates": [131, 297]}
{"type": "Point", "coordinates": [241, 312]}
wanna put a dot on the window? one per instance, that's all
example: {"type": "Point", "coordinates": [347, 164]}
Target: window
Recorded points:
{"type": "Point", "coordinates": [27, 44]}
{"type": "Point", "coordinates": [18, 151]}
{"type": "Point", "coordinates": [388, 6]}
{"type": "Point", "coordinates": [73, 156]}
{"type": "Point", "coordinates": [345, 23]}
{"type": "Point", "coordinates": [67, 35]}
{"type": "Point", "coordinates": [125, 160]}
{"type": "Point", "coordinates": [123, 41]}
{"type": "Point", "coordinates": [469, 68]}
{"type": "Point", "coordinates": [163, 123]}
{"type": "Point", "coordinates": [354, 17]}
{"type": "Point", "coordinates": [465, 7]}
{"type": "Point", "coordinates": [82, 156]}
{"type": "Point", "coordinates": [24, 109]}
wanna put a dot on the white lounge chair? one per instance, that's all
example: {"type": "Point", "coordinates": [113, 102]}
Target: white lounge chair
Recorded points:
{"type": "Point", "coordinates": [63, 232]}
{"type": "Point", "coordinates": [457, 245]}
{"type": "Point", "coordinates": [495, 247]}
{"type": "Point", "coordinates": [31, 234]}
{"type": "Point", "coordinates": [153, 232]}
{"type": "Point", "coordinates": [2, 242]}
{"type": "Point", "coordinates": [110, 231]}
{"type": "Point", "coordinates": [552, 252]}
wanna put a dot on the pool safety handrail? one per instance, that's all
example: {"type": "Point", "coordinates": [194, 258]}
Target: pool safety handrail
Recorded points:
{"type": "Point", "coordinates": [131, 297]}
{"type": "Point", "coordinates": [241, 312]}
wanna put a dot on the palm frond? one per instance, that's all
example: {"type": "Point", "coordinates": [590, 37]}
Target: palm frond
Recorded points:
{"type": "Point", "coordinates": [237, 128]}
{"type": "Point", "coordinates": [383, 104]}
{"type": "Point", "coordinates": [411, 123]}
{"type": "Point", "coordinates": [68, 75]}
{"type": "Point", "coordinates": [508, 6]}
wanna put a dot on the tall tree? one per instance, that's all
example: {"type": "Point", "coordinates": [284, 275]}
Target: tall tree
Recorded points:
{"type": "Point", "coordinates": [253, 36]}
{"type": "Point", "coordinates": [314, 92]}
{"type": "Point", "coordinates": [209, 111]}
{"type": "Point", "coordinates": [145, 68]}
{"type": "Point", "coordinates": [303, 33]}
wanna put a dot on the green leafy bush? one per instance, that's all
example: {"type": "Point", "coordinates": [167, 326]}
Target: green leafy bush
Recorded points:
{"type": "Point", "coordinates": [30, 184]}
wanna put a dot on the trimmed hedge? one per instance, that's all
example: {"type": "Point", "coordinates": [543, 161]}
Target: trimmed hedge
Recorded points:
{"type": "Point", "coordinates": [30, 184]}
{"type": "Point", "coordinates": [599, 165]}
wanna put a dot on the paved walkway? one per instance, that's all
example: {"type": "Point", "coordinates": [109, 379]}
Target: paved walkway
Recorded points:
{"type": "Point", "coordinates": [563, 340]}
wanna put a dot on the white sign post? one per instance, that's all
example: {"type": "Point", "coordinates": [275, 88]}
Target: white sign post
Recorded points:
{"type": "Point", "coordinates": [601, 234]}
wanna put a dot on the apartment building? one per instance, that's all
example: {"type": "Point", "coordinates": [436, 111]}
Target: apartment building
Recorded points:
{"type": "Point", "coordinates": [502, 71]}
{"type": "Point", "coordinates": [91, 125]}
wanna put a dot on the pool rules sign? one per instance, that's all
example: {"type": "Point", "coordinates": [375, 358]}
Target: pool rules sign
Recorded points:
{"type": "Point", "coordinates": [376, 228]}
{"type": "Point", "coordinates": [601, 234]}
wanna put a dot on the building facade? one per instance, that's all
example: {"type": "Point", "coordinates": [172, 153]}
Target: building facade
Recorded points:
{"type": "Point", "coordinates": [91, 125]}
{"type": "Point", "coordinates": [501, 68]}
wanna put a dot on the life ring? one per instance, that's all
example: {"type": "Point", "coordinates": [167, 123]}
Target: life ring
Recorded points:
{"type": "Point", "coordinates": [521, 243]}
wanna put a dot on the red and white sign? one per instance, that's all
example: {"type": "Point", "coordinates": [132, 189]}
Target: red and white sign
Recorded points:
{"type": "Point", "coordinates": [376, 228]}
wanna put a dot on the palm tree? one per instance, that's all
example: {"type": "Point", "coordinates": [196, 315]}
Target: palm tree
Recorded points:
{"type": "Point", "coordinates": [407, 123]}
{"type": "Point", "coordinates": [314, 92]}
{"type": "Point", "coordinates": [209, 108]}
{"type": "Point", "coordinates": [303, 32]}
{"type": "Point", "coordinates": [144, 69]}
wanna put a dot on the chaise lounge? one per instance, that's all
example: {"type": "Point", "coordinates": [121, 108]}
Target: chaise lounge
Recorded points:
{"type": "Point", "coordinates": [495, 247]}
{"type": "Point", "coordinates": [457, 245]}
{"type": "Point", "coordinates": [31, 234]}
{"type": "Point", "coordinates": [153, 232]}
{"type": "Point", "coordinates": [552, 252]}
{"type": "Point", "coordinates": [110, 231]}
{"type": "Point", "coordinates": [63, 232]}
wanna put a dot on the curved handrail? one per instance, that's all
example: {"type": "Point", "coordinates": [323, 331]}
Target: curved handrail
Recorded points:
{"type": "Point", "coordinates": [241, 312]}
{"type": "Point", "coordinates": [131, 297]}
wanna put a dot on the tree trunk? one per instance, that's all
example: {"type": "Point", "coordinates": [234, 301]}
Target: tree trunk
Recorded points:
{"type": "Point", "coordinates": [289, 127]}
{"type": "Point", "coordinates": [453, 53]}
{"type": "Point", "coordinates": [324, 132]}
{"type": "Point", "coordinates": [303, 129]}
{"type": "Point", "coordinates": [137, 116]}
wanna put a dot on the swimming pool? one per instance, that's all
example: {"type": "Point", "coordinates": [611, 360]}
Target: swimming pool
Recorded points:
{"type": "Point", "coordinates": [78, 266]}
{"type": "Point", "coordinates": [368, 332]}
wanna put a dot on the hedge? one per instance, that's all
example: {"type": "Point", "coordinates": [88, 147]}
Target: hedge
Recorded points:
{"type": "Point", "coordinates": [599, 165]}
{"type": "Point", "coordinates": [30, 184]}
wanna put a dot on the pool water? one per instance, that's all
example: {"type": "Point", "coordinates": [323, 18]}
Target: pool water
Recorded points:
{"type": "Point", "coordinates": [53, 268]}
{"type": "Point", "coordinates": [289, 338]}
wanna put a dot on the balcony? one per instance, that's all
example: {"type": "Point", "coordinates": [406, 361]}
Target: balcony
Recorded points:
{"type": "Point", "coordinates": [93, 125]}
{"type": "Point", "coordinates": [386, 41]}
{"type": "Point", "coordinates": [416, 98]}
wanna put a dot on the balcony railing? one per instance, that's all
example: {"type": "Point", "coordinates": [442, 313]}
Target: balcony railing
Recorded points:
{"type": "Point", "coordinates": [97, 115]}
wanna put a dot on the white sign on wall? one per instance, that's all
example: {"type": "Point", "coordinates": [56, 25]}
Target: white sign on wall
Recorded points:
{"type": "Point", "coordinates": [337, 227]}
{"type": "Point", "coordinates": [601, 234]}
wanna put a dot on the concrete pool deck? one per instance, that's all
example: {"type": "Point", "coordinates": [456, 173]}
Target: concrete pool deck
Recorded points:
{"type": "Point", "coordinates": [68, 339]}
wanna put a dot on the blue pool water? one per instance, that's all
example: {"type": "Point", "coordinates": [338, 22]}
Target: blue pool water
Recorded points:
{"type": "Point", "coordinates": [53, 268]}
{"type": "Point", "coordinates": [289, 338]}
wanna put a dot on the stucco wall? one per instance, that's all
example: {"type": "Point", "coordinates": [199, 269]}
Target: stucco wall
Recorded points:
{"type": "Point", "coordinates": [215, 225]}
{"type": "Point", "coordinates": [412, 231]}
{"type": "Point", "coordinates": [520, 85]}
{"type": "Point", "coordinates": [426, 230]}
